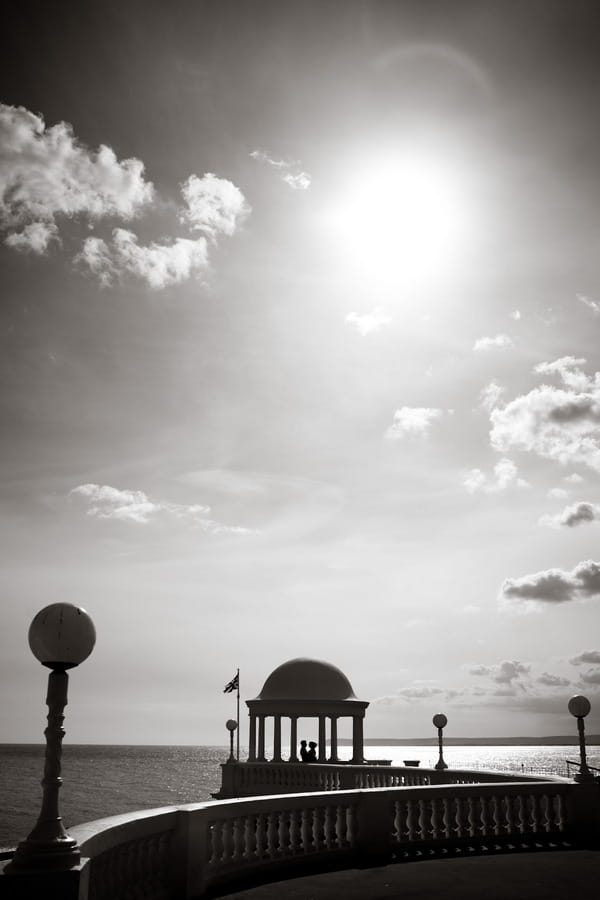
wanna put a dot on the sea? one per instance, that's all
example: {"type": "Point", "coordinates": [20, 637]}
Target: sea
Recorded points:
{"type": "Point", "coordinates": [103, 780]}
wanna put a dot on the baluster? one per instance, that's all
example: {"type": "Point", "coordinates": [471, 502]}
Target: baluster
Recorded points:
{"type": "Point", "coordinates": [551, 816]}
{"type": "Point", "coordinates": [216, 843]}
{"type": "Point", "coordinates": [261, 835]}
{"type": "Point", "coordinates": [529, 820]}
{"type": "Point", "coordinates": [249, 838]}
{"type": "Point", "coordinates": [295, 831]}
{"type": "Point", "coordinates": [397, 822]}
{"type": "Point", "coordinates": [306, 829]}
{"type": "Point", "coordinates": [446, 818]}
{"type": "Point", "coordinates": [227, 840]}
{"type": "Point", "coordinates": [238, 839]}
{"type": "Point", "coordinates": [352, 825]}
{"type": "Point", "coordinates": [521, 813]}
{"type": "Point", "coordinates": [561, 815]}
{"type": "Point", "coordinates": [537, 814]}
{"type": "Point", "coordinates": [318, 830]}
{"type": "Point", "coordinates": [341, 826]}
{"type": "Point", "coordinates": [486, 827]}
{"type": "Point", "coordinates": [284, 832]}
{"type": "Point", "coordinates": [272, 834]}
{"type": "Point", "coordinates": [412, 819]}
{"type": "Point", "coordinates": [329, 827]}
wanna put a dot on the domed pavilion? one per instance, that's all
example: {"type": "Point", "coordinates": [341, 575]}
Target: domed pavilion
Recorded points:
{"type": "Point", "coordinates": [305, 688]}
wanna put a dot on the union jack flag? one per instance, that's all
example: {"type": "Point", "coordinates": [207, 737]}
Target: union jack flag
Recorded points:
{"type": "Point", "coordinates": [233, 685]}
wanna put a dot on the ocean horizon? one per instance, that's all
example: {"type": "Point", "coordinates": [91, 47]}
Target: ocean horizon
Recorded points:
{"type": "Point", "coordinates": [106, 779]}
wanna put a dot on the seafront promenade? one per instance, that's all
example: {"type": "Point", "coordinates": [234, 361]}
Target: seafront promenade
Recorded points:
{"type": "Point", "coordinates": [555, 875]}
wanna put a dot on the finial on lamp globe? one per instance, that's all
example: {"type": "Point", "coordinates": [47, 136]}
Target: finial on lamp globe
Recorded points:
{"type": "Point", "coordinates": [61, 636]}
{"type": "Point", "coordinates": [579, 707]}
{"type": "Point", "coordinates": [440, 721]}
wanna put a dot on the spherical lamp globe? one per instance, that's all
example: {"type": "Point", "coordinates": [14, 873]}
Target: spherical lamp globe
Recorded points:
{"type": "Point", "coordinates": [440, 720]}
{"type": "Point", "coordinates": [579, 706]}
{"type": "Point", "coordinates": [62, 635]}
{"type": "Point", "coordinates": [231, 724]}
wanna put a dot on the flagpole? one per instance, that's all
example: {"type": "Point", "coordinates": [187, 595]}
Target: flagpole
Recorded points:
{"type": "Point", "coordinates": [238, 715]}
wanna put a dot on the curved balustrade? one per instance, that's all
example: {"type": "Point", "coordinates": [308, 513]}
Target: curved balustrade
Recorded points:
{"type": "Point", "coordinates": [179, 852]}
{"type": "Point", "coordinates": [250, 779]}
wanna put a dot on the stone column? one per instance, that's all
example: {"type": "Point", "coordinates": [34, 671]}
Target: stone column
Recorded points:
{"type": "Point", "coordinates": [293, 738]}
{"type": "Point", "coordinates": [261, 739]}
{"type": "Point", "coordinates": [358, 751]}
{"type": "Point", "coordinates": [333, 756]}
{"type": "Point", "coordinates": [277, 739]}
{"type": "Point", "coordinates": [322, 739]}
{"type": "Point", "coordinates": [252, 739]}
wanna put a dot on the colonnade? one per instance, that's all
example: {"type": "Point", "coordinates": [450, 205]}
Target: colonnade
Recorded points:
{"type": "Point", "coordinates": [256, 739]}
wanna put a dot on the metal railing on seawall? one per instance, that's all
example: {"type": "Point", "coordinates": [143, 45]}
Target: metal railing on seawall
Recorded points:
{"type": "Point", "coordinates": [181, 852]}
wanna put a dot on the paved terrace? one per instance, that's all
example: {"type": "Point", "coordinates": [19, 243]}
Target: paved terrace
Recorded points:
{"type": "Point", "coordinates": [546, 875]}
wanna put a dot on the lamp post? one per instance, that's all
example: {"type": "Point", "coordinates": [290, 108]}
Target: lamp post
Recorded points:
{"type": "Point", "coordinates": [440, 721]}
{"type": "Point", "coordinates": [231, 726]}
{"type": "Point", "coordinates": [61, 636]}
{"type": "Point", "coordinates": [579, 707]}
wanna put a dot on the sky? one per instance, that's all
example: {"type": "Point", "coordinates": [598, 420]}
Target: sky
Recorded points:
{"type": "Point", "coordinates": [300, 317]}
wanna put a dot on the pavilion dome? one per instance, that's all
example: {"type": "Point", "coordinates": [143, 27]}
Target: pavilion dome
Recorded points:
{"type": "Point", "coordinates": [307, 679]}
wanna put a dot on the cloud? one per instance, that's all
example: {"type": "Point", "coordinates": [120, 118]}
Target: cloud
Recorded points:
{"type": "Point", "coordinates": [586, 656]}
{"type": "Point", "coordinates": [499, 342]}
{"type": "Point", "coordinates": [515, 314]}
{"type": "Point", "coordinates": [567, 368]}
{"type": "Point", "coordinates": [106, 502]}
{"type": "Point", "coordinates": [369, 322]}
{"type": "Point", "coordinates": [591, 677]}
{"type": "Point", "coordinates": [505, 475]}
{"type": "Point", "coordinates": [573, 515]}
{"type": "Point", "coordinates": [573, 479]}
{"type": "Point", "coordinates": [555, 423]}
{"type": "Point", "coordinates": [591, 304]}
{"type": "Point", "coordinates": [555, 585]}
{"type": "Point", "coordinates": [213, 205]}
{"type": "Point", "coordinates": [490, 395]}
{"type": "Point", "coordinates": [412, 421]}
{"type": "Point", "coordinates": [505, 672]}
{"type": "Point", "coordinates": [46, 173]}
{"type": "Point", "coordinates": [159, 265]}
{"type": "Point", "coordinates": [552, 680]}
{"type": "Point", "coordinates": [290, 171]}
{"type": "Point", "coordinates": [34, 237]}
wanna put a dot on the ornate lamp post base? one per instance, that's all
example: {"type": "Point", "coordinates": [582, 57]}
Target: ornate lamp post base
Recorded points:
{"type": "Point", "coordinates": [46, 856]}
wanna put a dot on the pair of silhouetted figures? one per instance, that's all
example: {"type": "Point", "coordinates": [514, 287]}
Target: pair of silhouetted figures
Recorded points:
{"type": "Point", "coordinates": [308, 755]}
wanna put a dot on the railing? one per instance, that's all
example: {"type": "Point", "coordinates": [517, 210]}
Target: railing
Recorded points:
{"type": "Point", "coordinates": [180, 852]}
{"type": "Point", "coordinates": [255, 779]}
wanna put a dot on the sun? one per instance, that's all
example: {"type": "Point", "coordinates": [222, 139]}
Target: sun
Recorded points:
{"type": "Point", "coordinates": [402, 218]}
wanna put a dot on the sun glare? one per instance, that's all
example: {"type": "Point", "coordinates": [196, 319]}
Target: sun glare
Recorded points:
{"type": "Point", "coordinates": [402, 219]}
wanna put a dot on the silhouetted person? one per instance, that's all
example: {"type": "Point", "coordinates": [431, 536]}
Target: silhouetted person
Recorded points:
{"type": "Point", "coordinates": [303, 751]}
{"type": "Point", "coordinates": [311, 756]}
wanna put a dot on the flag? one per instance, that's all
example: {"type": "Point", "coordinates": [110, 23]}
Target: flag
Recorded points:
{"type": "Point", "coordinates": [233, 685]}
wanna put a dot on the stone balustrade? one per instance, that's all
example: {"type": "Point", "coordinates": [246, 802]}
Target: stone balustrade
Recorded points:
{"type": "Point", "coordinates": [249, 779]}
{"type": "Point", "coordinates": [180, 852]}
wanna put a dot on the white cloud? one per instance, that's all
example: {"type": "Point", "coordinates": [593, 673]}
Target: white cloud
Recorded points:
{"type": "Point", "coordinates": [412, 421]}
{"type": "Point", "coordinates": [290, 171]}
{"type": "Point", "coordinates": [505, 672]}
{"type": "Point", "coordinates": [573, 515]}
{"type": "Point", "coordinates": [505, 475]}
{"type": "Point", "coordinates": [159, 265]}
{"type": "Point", "coordinates": [35, 237]}
{"type": "Point", "coordinates": [46, 172]}
{"type": "Point", "coordinates": [586, 656]}
{"type": "Point", "coordinates": [567, 368]}
{"type": "Point", "coordinates": [555, 423]}
{"type": "Point", "coordinates": [592, 677]}
{"type": "Point", "coordinates": [591, 304]}
{"type": "Point", "coordinates": [573, 479]}
{"type": "Point", "coordinates": [499, 342]}
{"type": "Point", "coordinates": [490, 395]}
{"type": "Point", "coordinates": [554, 585]}
{"type": "Point", "coordinates": [106, 502]}
{"type": "Point", "coordinates": [213, 205]}
{"type": "Point", "coordinates": [368, 322]}
{"type": "Point", "coordinates": [515, 314]}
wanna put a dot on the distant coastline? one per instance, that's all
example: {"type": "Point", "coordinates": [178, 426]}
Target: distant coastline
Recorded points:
{"type": "Point", "coordinates": [555, 740]}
